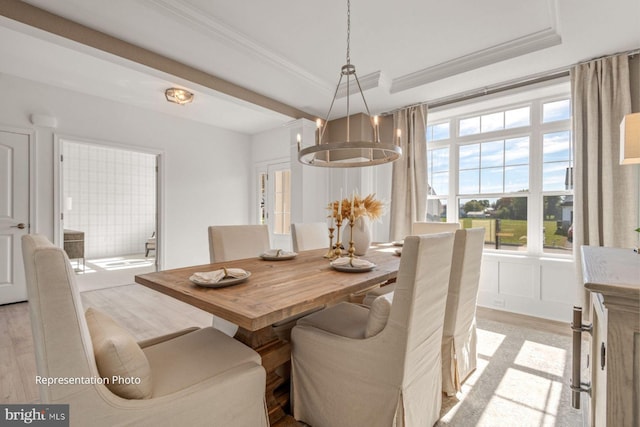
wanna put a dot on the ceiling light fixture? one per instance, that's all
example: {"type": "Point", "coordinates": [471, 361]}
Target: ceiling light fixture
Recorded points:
{"type": "Point", "coordinates": [347, 154]}
{"type": "Point", "coordinates": [179, 96]}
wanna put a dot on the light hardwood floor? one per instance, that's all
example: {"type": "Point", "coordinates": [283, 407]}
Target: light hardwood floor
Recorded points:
{"type": "Point", "coordinates": [146, 313]}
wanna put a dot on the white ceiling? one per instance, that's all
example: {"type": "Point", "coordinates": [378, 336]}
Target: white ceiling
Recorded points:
{"type": "Point", "coordinates": [406, 51]}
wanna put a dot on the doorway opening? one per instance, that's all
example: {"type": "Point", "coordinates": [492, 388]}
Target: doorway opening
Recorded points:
{"type": "Point", "coordinates": [109, 212]}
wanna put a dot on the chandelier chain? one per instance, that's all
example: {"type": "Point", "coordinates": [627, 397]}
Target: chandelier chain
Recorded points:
{"type": "Point", "coordinates": [348, 31]}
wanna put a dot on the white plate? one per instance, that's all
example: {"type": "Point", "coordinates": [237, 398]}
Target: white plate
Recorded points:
{"type": "Point", "coordinates": [350, 269]}
{"type": "Point", "coordinates": [224, 282]}
{"type": "Point", "coordinates": [266, 257]}
{"type": "Point", "coordinates": [398, 243]}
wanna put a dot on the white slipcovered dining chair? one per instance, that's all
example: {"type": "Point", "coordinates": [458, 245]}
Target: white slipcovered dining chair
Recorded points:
{"type": "Point", "coordinates": [232, 242]}
{"type": "Point", "coordinates": [308, 236]}
{"type": "Point", "coordinates": [459, 339]}
{"type": "Point", "coordinates": [355, 367]}
{"type": "Point", "coordinates": [191, 377]}
{"type": "Point", "coordinates": [419, 228]}
{"type": "Point", "coordinates": [423, 227]}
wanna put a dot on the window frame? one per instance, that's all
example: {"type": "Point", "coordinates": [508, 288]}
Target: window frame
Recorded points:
{"type": "Point", "coordinates": [535, 99]}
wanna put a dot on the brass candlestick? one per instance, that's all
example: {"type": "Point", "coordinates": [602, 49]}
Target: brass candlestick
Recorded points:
{"type": "Point", "coordinates": [352, 249]}
{"type": "Point", "coordinates": [329, 254]}
{"type": "Point", "coordinates": [337, 252]}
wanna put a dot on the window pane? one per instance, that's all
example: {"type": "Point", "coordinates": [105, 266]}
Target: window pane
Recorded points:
{"type": "Point", "coordinates": [516, 178]}
{"type": "Point", "coordinates": [517, 118]}
{"type": "Point", "coordinates": [491, 122]}
{"type": "Point", "coordinates": [554, 176]}
{"type": "Point", "coordinates": [439, 184]}
{"type": "Point", "coordinates": [556, 146]}
{"type": "Point", "coordinates": [437, 210]}
{"type": "Point", "coordinates": [440, 131]}
{"type": "Point", "coordinates": [470, 126]}
{"type": "Point", "coordinates": [556, 110]}
{"type": "Point", "coordinates": [492, 154]}
{"type": "Point", "coordinates": [558, 224]}
{"type": "Point", "coordinates": [516, 151]}
{"type": "Point", "coordinates": [469, 156]}
{"type": "Point", "coordinates": [439, 160]}
{"type": "Point", "coordinates": [469, 182]}
{"type": "Point", "coordinates": [491, 180]}
{"type": "Point", "coordinates": [504, 220]}
{"type": "Point", "coordinates": [282, 202]}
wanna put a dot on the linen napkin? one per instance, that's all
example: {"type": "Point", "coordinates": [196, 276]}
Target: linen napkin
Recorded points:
{"type": "Point", "coordinates": [276, 253]}
{"type": "Point", "coordinates": [352, 262]}
{"type": "Point", "coordinates": [217, 275]}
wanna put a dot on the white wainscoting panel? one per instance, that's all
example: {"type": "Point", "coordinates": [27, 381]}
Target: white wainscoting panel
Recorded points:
{"type": "Point", "coordinates": [540, 287]}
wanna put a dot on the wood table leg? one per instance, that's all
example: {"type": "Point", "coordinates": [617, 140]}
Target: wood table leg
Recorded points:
{"type": "Point", "coordinates": [275, 353]}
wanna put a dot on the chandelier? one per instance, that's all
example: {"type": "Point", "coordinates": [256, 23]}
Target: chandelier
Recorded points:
{"type": "Point", "coordinates": [347, 154]}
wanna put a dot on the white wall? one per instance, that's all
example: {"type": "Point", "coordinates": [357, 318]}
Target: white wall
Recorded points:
{"type": "Point", "coordinates": [206, 170]}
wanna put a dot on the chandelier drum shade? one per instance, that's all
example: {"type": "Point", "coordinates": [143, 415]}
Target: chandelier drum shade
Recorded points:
{"type": "Point", "coordinates": [347, 153]}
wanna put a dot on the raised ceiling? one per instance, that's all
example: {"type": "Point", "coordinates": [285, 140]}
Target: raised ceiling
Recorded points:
{"type": "Point", "coordinates": [291, 51]}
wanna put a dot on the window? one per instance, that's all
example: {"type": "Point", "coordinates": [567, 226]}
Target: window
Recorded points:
{"type": "Point", "coordinates": [508, 170]}
{"type": "Point", "coordinates": [282, 203]}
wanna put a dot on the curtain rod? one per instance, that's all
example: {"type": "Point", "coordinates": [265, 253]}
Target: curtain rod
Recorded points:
{"type": "Point", "coordinates": [502, 87]}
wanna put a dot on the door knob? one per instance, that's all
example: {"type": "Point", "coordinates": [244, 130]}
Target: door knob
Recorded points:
{"type": "Point", "coordinates": [20, 226]}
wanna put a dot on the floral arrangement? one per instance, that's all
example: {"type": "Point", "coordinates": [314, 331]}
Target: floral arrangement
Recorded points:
{"type": "Point", "coordinates": [368, 206]}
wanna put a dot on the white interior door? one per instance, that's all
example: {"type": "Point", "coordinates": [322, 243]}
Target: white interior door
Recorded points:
{"type": "Point", "coordinates": [14, 214]}
{"type": "Point", "coordinates": [279, 205]}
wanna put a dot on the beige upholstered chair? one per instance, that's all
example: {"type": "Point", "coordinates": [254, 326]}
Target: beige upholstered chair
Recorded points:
{"type": "Point", "coordinates": [459, 355]}
{"type": "Point", "coordinates": [306, 237]}
{"type": "Point", "coordinates": [193, 377]}
{"type": "Point", "coordinates": [354, 367]}
{"type": "Point", "coordinates": [231, 242]}
{"type": "Point", "coordinates": [421, 227]}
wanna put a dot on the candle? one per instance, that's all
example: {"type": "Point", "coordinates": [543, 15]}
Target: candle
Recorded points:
{"type": "Point", "coordinates": [299, 139]}
{"type": "Point", "coordinates": [319, 126]}
{"type": "Point", "coordinates": [340, 204]}
{"type": "Point", "coordinates": [353, 199]}
{"type": "Point", "coordinates": [399, 133]}
{"type": "Point", "coordinates": [376, 129]}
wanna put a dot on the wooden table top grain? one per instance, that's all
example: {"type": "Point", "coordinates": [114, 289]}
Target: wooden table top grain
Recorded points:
{"type": "Point", "coordinates": [276, 290]}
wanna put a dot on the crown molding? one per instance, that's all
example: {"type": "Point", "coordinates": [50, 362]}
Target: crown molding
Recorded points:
{"type": "Point", "coordinates": [508, 50]}
{"type": "Point", "coordinates": [368, 81]}
{"type": "Point", "coordinates": [197, 18]}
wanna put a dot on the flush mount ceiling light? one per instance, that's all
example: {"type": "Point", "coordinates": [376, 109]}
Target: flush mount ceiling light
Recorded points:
{"type": "Point", "coordinates": [179, 96]}
{"type": "Point", "coordinates": [347, 154]}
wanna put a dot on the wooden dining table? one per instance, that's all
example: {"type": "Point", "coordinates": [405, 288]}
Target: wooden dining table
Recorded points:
{"type": "Point", "coordinates": [274, 292]}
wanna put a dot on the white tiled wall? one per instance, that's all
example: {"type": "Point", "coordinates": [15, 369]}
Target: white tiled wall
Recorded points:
{"type": "Point", "coordinates": [113, 197]}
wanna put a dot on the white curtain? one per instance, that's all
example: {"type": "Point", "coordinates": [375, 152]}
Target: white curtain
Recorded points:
{"type": "Point", "coordinates": [606, 199]}
{"type": "Point", "coordinates": [409, 181]}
